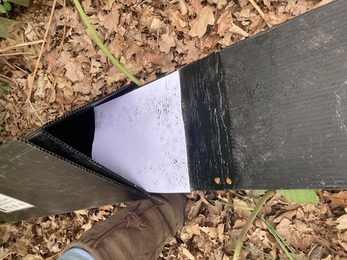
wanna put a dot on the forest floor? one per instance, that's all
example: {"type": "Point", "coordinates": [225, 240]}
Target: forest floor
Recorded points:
{"type": "Point", "coordinates": [150, 38]}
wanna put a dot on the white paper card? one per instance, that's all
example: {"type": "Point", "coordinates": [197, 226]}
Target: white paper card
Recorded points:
{"type": "Point", "coordinates": [9, 204]}
{"type": "Point", "coordinates": [140, 136]}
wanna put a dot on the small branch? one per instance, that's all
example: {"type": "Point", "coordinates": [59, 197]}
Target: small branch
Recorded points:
{"type": "Point", "coordinates": [15, 53]}
{"type": "Point", "coordinates": [40, 54]}
{"type": "Point", "coordinates": [260, 12]}
{"type": "Point", "coordinates": [21, 45]}
{"type": "Point", "coordinates": [31, 105]}
{"type": "Point", "coordinates": [249, 222]}
{"type": "Point", "coordinates": [7, 79]}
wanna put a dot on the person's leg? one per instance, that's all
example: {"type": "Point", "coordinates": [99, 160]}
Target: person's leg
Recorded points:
{"type": "Point", "coordinates": [76, 253]}
{"type": "Point", "coordinates": [140, 231]}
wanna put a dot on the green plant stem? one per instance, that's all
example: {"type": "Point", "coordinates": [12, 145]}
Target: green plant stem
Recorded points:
{"type": "Point", "coordinates": [283, 244]}
{"type": "Point", "coordinates": [5, 224]}
{"type": "Point", "coordinates": [102, 46]}
{"type": "Point", "coordinates": [249, 222]}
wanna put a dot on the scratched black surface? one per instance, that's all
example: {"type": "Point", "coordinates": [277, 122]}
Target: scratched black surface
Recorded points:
{"type": "Point", "coordinates": [284, 91]}
{"type": "Point", "coordinates": [207, 123]}
{"type": "Point", "coordinates": [52, 184]}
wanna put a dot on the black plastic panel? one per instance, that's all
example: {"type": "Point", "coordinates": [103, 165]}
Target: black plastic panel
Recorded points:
{"type": "Point", "coordinates": [51, 184]}
{"type": "Point", "coordinates": [278, 100]}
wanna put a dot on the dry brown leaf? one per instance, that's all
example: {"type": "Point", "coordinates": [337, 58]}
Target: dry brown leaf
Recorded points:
{"type": "Point", "coordinates": [192, 51]}
{"type": "Point", "coordinates": [209, 42]}
{"type": "Point", "coordinates": [237, 30]}
{"type": "Point", "coordinates": [177, 20]}
{"type": "Point", "coordinates": [180, 46]}
{"type": "Point", "coordinates": [82, 87]}
{"type": "Point", "coordinates": [239, 223]}
{"type": "Point", "coordinates": [267, 3]}
{"type": "Point", "coordinates": [244, 15]}
{"type": "Point", "coordinates": [195, 7]}
{"type": "Point", "coordinates": [243, 3]}
{"type": "Point", "coordinates": [156, 26]}
{"type": "Point", "coordinates": [186, 252]}
{"type": "Point", "coordinates": [298, 7]}
{"type": "Point", "coordinates": [210, 231]}
{"type": "Point", "coordinates": [224, 22]}
{"type": "Point", "coordinates": [50, 58]}
{"type": "Point", "coordinates": [287, 214]}
{"type": "Point", "coordinates": [191, 228]}
{"type": "Point", "coordinates": [276, 18]}
{"type": "Point", "coordinates": [167, 42]}
{"type": "Point", "coordinates": [342, 222]}
{"type": "Point", "coordinates": [183, 7]}
{"type": "Point", "coordinates": [339, 198]}
{"type": "Point", "coordinates": [41, 85]}
{"type": "Point", "coordinates": [220, 3]}
{"type": "Point", "coordinates": [30, 32]}
{"type": "Point", "coordinates": [168, 64]}
{"type": "Point", "coordinates": [241, 208]}
{"type": "Point", "coordinates": [199, 25]}
{"type": "Point", "coordinates": [111, 20]}
{"type": "Point", "coordinates": [74, 71]}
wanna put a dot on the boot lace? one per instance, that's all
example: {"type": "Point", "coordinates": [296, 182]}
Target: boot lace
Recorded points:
{"type": "Point", "coordinates": [130, 219]}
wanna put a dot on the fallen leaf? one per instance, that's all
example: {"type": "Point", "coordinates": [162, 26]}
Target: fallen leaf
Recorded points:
{"type": "Point", "coordinates": [82, 87]}
{"type": "Point", "coordinates": [192, 51]}
{"type": "Point", "coordinates": [267, 3]}
{"type": "Point", "coordinates": [237, 30]}
{"type": "Point", "coordinates": [199, 25]}
{"type": "Point", "coordinates": [74, 71]}
{"type": "Point", "coordinates": [212, 232]}
{"type": "Point", "coordinates": [300, 7]}
{"type": "Point", "coordinates": [339, 198]}
{"type": "Point", "coordinates": [224, 22]}
{"type": "Point", "coordinates": [167, 42]}
{"type": "Point", "coordinates": [287, 214]}
{"type": "Point", "coordinates": [156, 26]}
{"type": "Point", "coordinates": [195, 7]}
{"type": "Point", "coordinates": [342, 222]}
{"type": "Point", "coordinates": [183, 7]}
{"type": "Point", "coordinates": [41, 85]}
{"type": "Point", "coordinates": [111, 20]}
{"type": "Point", "coordinates": [177, 20]}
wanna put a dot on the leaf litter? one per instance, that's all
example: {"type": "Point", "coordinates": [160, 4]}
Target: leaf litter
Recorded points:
{"type": "Point", "coordinates": [150, 38]}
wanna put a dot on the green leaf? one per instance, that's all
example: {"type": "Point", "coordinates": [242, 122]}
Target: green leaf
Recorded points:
{"type": "Point", "coordinates": [1, 128]}
{"type": "Point", "coordinates": [260, 191]}
{"type": "Point", "coordinates": [7, 88]}
{"type": "Point", "coordinates": [7, 6]}
{"type": "Point", "coordinates": [3, 9]}
{"type": "Point", "coordinates": [300, 196]}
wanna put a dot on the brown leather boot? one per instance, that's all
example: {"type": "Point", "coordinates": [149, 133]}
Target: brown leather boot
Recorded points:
{"type": "Point", "coordinates": [140, 231]}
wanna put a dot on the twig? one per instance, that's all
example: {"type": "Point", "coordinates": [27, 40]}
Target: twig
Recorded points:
{"type": "Point", "coordinates": [21, 45]}
{"type": "Point", "coordinates": [7, 254]}
{"type": "Point", "coordinates": [31, 105]}
{"type": "Point", "coordinates": [102, 46]}
{"type": "Point", "coordinates": [64, 30]}
{"type": "Point", "coordinates": [15, 53]}
{"type": "Point", "coordinates": [260, 12]}
{"type": "Point", "coordinates": [31, 84]}
{"type": "Point", "coordinates": [14, 67]}
{"type": "Point", "coordinates": [7, 79]}
{"type": "Point", "coordinates": [249, 222]}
